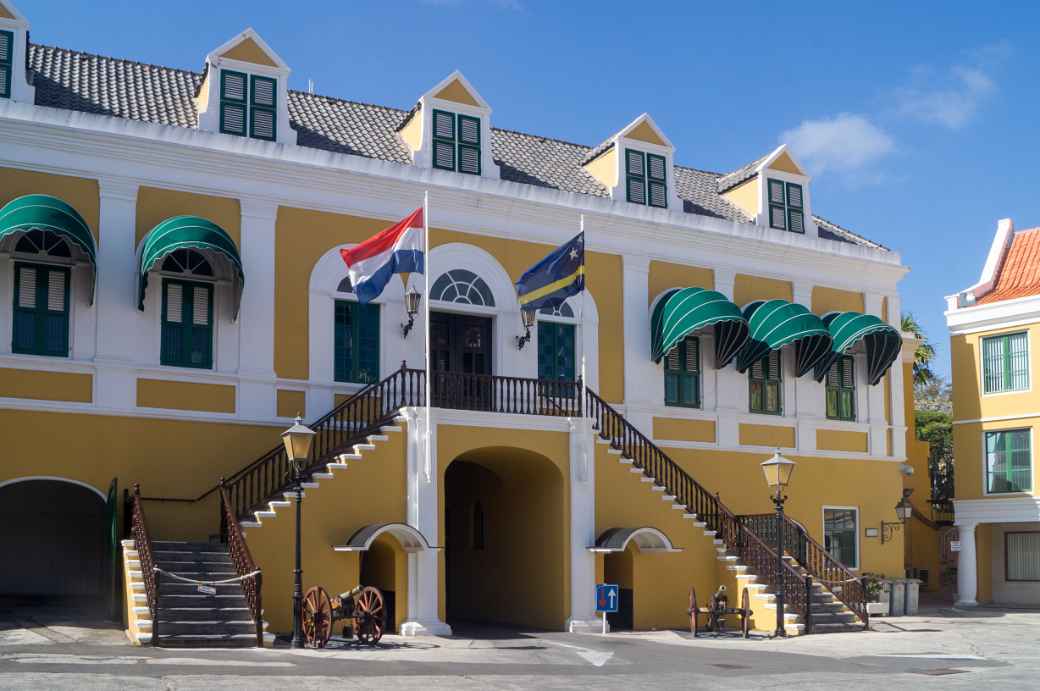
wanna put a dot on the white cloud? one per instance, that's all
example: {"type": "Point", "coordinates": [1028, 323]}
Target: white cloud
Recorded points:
{"type": "Point", "coordinates": [845, 143]}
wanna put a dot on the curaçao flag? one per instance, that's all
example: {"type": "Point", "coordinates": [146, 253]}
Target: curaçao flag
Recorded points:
{"type": "Point", "coordinates": [560, 274]}
{"type": "Point", "coordinates": [396, 250]}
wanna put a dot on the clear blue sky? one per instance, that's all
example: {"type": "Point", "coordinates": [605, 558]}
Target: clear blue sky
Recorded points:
{"type": "Point", "coordinates": [918, 119]}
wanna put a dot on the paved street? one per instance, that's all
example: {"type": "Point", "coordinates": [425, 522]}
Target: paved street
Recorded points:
{"type": "Point", "coordinates": [945, 649]}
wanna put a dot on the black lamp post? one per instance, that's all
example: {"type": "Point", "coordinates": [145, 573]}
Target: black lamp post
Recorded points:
{"type": "Point", "coordinates": [412, 299]}
{"type": "Point", "coordinates": [527, 318]}
{"type": "Point", "coordinates": [297, 440]}
{"type": "Point", "coordinates": [778, 471]}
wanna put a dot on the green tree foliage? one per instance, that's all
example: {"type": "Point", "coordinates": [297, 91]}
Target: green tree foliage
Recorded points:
{"type": "Point", "coordinates": [925, 352]}
{"type": "Point", "coordinates": [933, 413]}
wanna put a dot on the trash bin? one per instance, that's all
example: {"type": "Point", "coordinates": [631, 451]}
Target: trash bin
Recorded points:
{"type": "Point", "coordinates": [913, 590]}
{"type": "Point", "coordinates": [897, 597]}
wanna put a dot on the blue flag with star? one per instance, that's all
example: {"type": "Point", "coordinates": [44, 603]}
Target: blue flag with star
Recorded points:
{"type": "Point", "coordinates": [560, 274]}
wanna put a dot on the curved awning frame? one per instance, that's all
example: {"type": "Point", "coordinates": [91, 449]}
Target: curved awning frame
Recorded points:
{"type": "Point", "coordinates": [881, 341]}
{"type": "Point", "coordinates": [410, 539]}
{"type": "Point", "coordinates": [45, 212]}
{"type": "Point", "coordinates": [647, 538]}
{"type": "Point", "coordinates": [681, 312]}
{"type": "Point", "coordinates": [188, 232]}
{"type": "Point", "coordinates": [775, 324]}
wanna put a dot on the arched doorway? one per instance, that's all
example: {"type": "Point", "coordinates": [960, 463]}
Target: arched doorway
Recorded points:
{"type": "Point", "coordinates": [505, 540]}
{"type": "Point", "coordinates": [55, 534]}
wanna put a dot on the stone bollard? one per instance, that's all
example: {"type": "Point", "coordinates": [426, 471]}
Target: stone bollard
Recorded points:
{"type": "Point", "coordinates": [897, 597]}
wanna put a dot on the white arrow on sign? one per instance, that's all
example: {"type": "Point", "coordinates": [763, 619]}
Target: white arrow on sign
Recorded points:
{"type": "Point", "coordinates": [612, 594]}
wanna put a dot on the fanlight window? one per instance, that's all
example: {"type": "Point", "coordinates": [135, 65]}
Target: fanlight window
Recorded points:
{"type": "Point", "coordinates": [43, 242]}
{"type": "Point", "coordinates": [462, 286]}
{"type": "Point", "coordinates": [187, 262]}
{"type": "Point", "coordinates": [345, 286]}
{"type": "Point", "coordinates": [564, 310]}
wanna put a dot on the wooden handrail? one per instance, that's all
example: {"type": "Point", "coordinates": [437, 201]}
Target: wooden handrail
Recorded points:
{"type": "Point", "coordinates": [149, 572]}
{"type": "Point", "coordinates": [242, 558]}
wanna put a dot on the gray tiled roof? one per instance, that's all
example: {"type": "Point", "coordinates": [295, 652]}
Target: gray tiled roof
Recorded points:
{"type": "Point", "coordinates": [122, 88]}
{"type": "Point", "coordinates": [742, 174]}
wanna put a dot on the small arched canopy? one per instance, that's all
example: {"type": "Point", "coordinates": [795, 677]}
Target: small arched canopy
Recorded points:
{"type": "Point", "coordinates": [648, 539]}
{"type": "Point", "coordinates": [411, 540]}
{"type": "Point", "coordinates": [683, 311]}
{"type": "Point", "coordinates": [881, 341]}
{"type": "Point", "coordinates": [44, 212]}
{"type": "Point", "coordinates": [188, 232]}
{"type": "Point", "coordinates": [774, 324]}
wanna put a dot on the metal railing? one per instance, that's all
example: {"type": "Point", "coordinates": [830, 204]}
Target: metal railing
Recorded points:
{"type": "Point", "coordinates": [149, 572]}
{"type": "Point", "coordinates": [241, 557]}
{"type": "Point", "coordinates": [513, 395]}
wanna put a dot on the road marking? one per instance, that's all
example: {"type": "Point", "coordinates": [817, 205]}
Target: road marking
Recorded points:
{"type": "Point", "coordinates": [594, 657]}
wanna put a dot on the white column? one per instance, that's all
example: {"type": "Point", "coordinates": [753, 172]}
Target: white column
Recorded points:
{"type": "Point", "coordinates": [875, 411]}
{"type": "Point", "coordinates": [640, 372]}
{"type": "Point", "coordinates": [898, 410]}
{"type": "Point", "coordinates": [967, 578]}
{"type": "Point", "coordinates": [805, 398]}
{"type": "Point", "coordinates": [731, 388]}
{"type": "Point", "coordinates": [583, 527]}
{"type": "Point", "coordinates": [423, 513]}
{"type": "Point", "coordinates": [257, 396]}
{"type": "Point", "coordinates": [115, 297]}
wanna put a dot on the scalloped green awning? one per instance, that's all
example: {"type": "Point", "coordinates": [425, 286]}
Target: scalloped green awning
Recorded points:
{"type": "Point", "coordinates": [774, 324]}
{"type": "Point", "coordinates": [683, 311]}
{"type": "Point", "coordinates": [881, 341]}
{"type": "Point", "coordinates": [188, 232]}
{"type": "Point", "coordinates": [44, 212]}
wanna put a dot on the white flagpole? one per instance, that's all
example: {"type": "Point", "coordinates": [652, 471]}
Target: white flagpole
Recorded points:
{"type": "Point", "coordinates": [581, 318]}
{"type": "Point", "coordinates": [426, 345]}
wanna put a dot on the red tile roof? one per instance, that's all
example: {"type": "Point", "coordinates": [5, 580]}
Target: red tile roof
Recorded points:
{"type": "Point", "coordinates": [1020, 275]}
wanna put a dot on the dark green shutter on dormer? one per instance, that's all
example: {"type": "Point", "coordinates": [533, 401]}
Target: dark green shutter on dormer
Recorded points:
{"type": "Point", "coordinates": [456, 142]}
{"type": "Point", "coordinates": [657, 181]}
{"type": "Point", "coordinates": [795, 212]}
{"type": "Point", "coordinates": [233, 90]}
{"type": "Point", "coordinates": [443, 140]}
{"type": "Point", "coordinates": [635, 176]}
{"type": "Point", "coordinates": [262, 108]}
{"type": "Point", "coordinates": [6, 60]}
{"type": "Point", "coordinates": [777, 205]}
{"type": "Point", "coordinates": [469, 144]}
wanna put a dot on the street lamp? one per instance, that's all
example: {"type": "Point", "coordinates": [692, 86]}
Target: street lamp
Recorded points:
{"type": "Point", "coordinates": [528, 318]}
{"type": "Point", "coordinates": [904, 512]}
{"type": "Point", "coordinates": [297, 440]}
{"type": "Point", "coordinates": [778, 471]}
{"type": "Point", "coordinates": [412, 299]}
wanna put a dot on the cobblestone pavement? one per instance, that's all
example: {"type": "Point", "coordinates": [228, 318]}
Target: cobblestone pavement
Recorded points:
{"type": "Point", "coordinates": [941, 649]}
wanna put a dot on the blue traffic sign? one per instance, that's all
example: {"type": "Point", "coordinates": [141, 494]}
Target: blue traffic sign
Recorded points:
{"type": "Point", "coordinates": [607, 597]}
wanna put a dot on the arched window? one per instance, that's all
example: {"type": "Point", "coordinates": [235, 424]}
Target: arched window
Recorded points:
{"type": "Point", "coordinates": [345, 286]}
{"type": "Point", "coordinates": [187, 262]}
{"type": "Point", "coordinates": [41, 296]}
{"type": "Point", "coordinates": [462, 286]}
{"type": "Point", "coordinates": [187, 311]}
{"type": "Point", "coordinates": [563, 310]}
{"type": "Point", "coordinates": [355, 339]}
{"type": "Point", "coordinates": [43, 242]}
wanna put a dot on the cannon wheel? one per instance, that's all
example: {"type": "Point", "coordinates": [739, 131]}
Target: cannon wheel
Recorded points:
{"type": "Point", "coordinates": [745, 619]}
{"type": "Point", "coordinates": [693, 611]}
{"type": "Point", "coordinates": [369, 615]}
{"type": "Point", "coordinates": [317, 617]}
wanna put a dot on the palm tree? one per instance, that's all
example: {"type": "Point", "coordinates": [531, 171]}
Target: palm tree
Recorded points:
{"type": "Point", "coordinates": [924, 353]}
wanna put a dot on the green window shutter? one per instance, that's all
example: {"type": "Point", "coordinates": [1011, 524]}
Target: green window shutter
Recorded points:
{"type": "Point", "coordinates": [356, 347]}
{"type": "Point", "coordinates": [367, 344]}
{"type": "Point", "coordinates": [795, 212]}
{"type": "Point", "coordinates": [344, 340]}
{"type": "Point", "coordinates": [444, 140]}
{"type": "Point", "coordinates": [682, 374]}
{"type": "Point", "coordinates": [635, 176]}
{"type": "Point", "coordinates": [233, 89]}
{"type": "Point", "coordinates": [468, 145]}
{"type": "Point", "coordinates": [6, 61]}
{"type": "Point", "coordinates": [765, 382]}
{"type": "Point", "coordinates": [41, 310]}
{"type": "Point", "coordinates": [777, 205]}
{"type": "Point", "coordinates": [263, 108]}
{"type": "Point", "coordinates": [1017, 370]}
{"type": "Point", "coordinates": [1005, 363]}
{"type": "Point", "coordinates": [187, 324]}
{"type": "Point", "coordinates": [841, 389]}
{"type": "Point", "coordinates": [657, 181]}
{"type": "Point", "coordinates": [556, 360]}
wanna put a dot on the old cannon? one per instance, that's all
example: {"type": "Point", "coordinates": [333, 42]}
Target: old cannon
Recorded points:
{"type": "Point", "coordinates": [716, 611]}
{"type": "Point", "coordinates": [364, 604]}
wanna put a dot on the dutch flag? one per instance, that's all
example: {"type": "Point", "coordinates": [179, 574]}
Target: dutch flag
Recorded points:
{"type": "Point", "coordinates": [396, 250]}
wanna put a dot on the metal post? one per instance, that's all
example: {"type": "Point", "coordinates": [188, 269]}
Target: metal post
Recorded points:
{"type": "Point", "coordinates": [258, 583]}
{"type": "Point", "coordinates": [297, 635]}
{"type": "Point", "coordinates": [156, 576]}
{"type": "Point", "coordinates": [778, 501]}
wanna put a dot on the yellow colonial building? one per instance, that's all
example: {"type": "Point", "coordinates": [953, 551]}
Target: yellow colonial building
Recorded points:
{"type": "Point", "coordinates": [993, 325]}
{"type": "Point", "coordinates": [172, 296]}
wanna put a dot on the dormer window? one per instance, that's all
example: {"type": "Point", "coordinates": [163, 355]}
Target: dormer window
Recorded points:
{"type": "Point", "coordinates": [786, 210]}
{"type": "Point", "coordinates": [6, 61]}
{"type": "Point", "coordinates": [248, 105]}
{"type": "Point", "coordinates": [456, 142]}
{"type": "Point", "coordinates": [646, 178]}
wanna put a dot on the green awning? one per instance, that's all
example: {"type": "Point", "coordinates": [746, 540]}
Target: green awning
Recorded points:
{"type": "Point", "coordinates": [188, 232]}
{"type": "Point", "coordinates": [881, 341]}
{"type": "Point", "coordinates": [683, 311]}
{"type": "Point", "coordinates": [777, 323]}
{"type": "Point", "coordinates": [44, 212]}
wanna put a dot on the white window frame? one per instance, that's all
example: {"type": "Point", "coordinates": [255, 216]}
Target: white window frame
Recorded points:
{"type": "Point", "coordinates": [823, 532]}
{"type": "Point", "coordinates": [1029, 361]}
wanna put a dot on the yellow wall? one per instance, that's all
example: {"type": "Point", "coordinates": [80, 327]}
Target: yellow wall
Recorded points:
{"type": "Point", "coordinates": [46, 386]}
{"type": "Point", "coordinates": [249, 50]}
{"type": "Point", "coordinates": [180, 395]}
{"type": "Point", "coordinates": [677, 429]}
{"type": "Point", "coordinates": [645, 133]}
{"type": "Point", "coordinates": [292, 403]}
{"type": "Point", "coordinates": [969, 403]}
{"type": "Point", "coordinates": [750, 288]}
{"type": "Point", "coordinates": [411, 133]}
{"type": "Point", "coordinates": [786, 164]}
{"type": "Point", "coordinates": [766, 435]}
{"type": "Point", "coordinates": [841, 440]}
{"type": "Point", "coordinates": [745, 197]}
{"type": "Point", "coordinates": [665, 275]}
{"type": "Point", "coordinates": [455, 91]}
{"type": "Point", "coordinates": [155, 205]}
{"type": "Point", "coordinates": [605, 167]}
{"type": "Point", "coordinates": [80, 193]}
{"type": "Point", "coordinates": [826, 300]}
{"type": "Point", "coordinates": [533, 468]}
{"type": "Point", "coordinates": [984, 562]}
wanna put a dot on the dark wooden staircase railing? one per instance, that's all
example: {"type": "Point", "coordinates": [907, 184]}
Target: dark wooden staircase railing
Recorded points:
{"type": "Point", "coordinates": [245, 567]}
{"type": "Point", "coordinates": [143, 544]}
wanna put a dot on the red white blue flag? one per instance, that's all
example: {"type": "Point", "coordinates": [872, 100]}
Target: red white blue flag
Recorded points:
{"type": "Point", "coordinates": [396, 250]}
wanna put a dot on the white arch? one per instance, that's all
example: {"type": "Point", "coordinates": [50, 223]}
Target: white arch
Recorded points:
{"type": "Point", "coordinates": [458, 255]}
{"type": "Point", "coordinates": [55, 478]}
{"type": "Point", "coordinates": [410, 539]}
{"type": "Point", "coordinates": [647, 538]}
